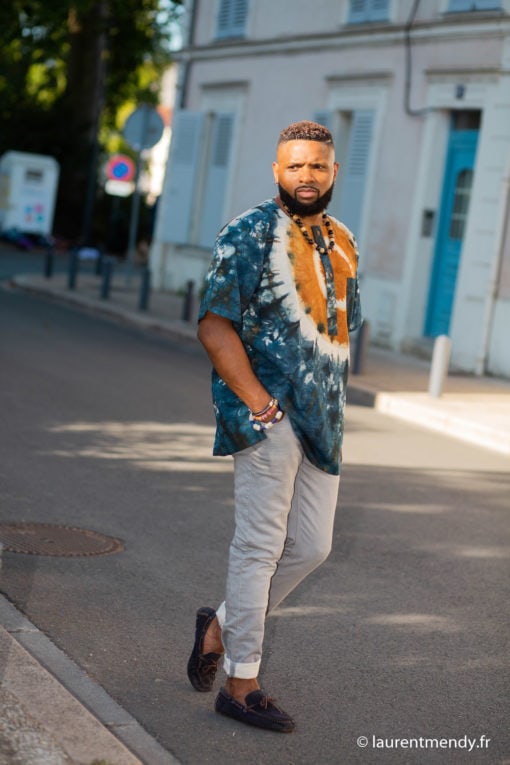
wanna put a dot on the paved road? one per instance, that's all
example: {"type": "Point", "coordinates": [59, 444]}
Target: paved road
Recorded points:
{"type": "Point", "coordinates": [400, 634]}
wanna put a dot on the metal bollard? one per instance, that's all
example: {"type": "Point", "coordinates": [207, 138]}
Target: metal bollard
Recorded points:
{"type": "Point", "coordinates": [440, 363]}
{"type": "Point", "coordinates": [99, 263]}
{"type": "Point", "coordinates": [74, 264]}
{"type": "Point", "coordinates": [145, 289]}
{"type": "Point", "coordinates": [187, 308]}
{"type": "Point", "coordinates": [49, 263]}
{"type": "Point", "coordinates": [107, 271]}
{"type": "Point", "coordinates": [358, 361]}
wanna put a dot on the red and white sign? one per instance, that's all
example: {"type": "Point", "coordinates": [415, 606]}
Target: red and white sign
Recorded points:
{"type": "Point", "coordinates": [120, 168]}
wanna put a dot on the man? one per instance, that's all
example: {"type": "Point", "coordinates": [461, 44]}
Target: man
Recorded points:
{"type": "Point", "coordinates": [280, 298]}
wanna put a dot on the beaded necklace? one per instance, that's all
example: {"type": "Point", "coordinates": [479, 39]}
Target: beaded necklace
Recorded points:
{"type": "Point", "coordinates": [324, 252]}
{"type": "Point", "coordinates": [327, 223]}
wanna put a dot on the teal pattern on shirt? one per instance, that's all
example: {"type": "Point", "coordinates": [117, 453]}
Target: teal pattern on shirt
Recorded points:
{"type": "Point", "coordinates": [269, 282]}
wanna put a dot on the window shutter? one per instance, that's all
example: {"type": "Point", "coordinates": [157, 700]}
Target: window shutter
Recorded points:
{"type": "Point", "coordinates": [232, 15]}
{"type": "Point", "coordinates": [456, 6]}
{"type": "Point", "coordinates": [358, 157]}
{"type": "Point", "coordinates": [324, 118]}
{"type": "Point", "coordinates": [378, 10]}
{"type": "Point", "coordinates": [216, 178]}
{"type": "Point", "coordinates": [358, 11]}
{"type": "Point", "coordinates": [181, 176]}
{"type": "Point", "coordinates": [361, 11]}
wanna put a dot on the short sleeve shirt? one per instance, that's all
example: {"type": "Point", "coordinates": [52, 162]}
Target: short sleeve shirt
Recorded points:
{"type": "Point", "coordinates": [293, 310]}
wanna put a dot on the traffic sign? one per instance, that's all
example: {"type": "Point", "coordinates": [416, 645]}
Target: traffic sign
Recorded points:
{"type": "Point", "coordinates": [143, 128]}
{"type": "Point", "coordinates": [120, 168]}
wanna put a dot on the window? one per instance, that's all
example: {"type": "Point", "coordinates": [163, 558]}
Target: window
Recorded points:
{"type": "Point", "coordinates": [456, 6]}
{"type": "Point", "coordinates": [469, 119]}
{"type": "Point", "coordinates": [232, 15]}
{"type": "Point", "coordinates": [362, 11]}
{"type": "Point", "coordinates": [197, 177]}
{"type": "Point", "coordinates": [33, 176]}
{"type": "Point", "coordinates": [461, 204]}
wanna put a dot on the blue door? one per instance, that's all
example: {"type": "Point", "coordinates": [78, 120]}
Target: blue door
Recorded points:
{"type": "Point", "coordinates": [453, 216]}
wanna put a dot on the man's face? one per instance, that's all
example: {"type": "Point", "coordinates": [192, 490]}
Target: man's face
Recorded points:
{"type": "Point", "coordinates": [306, 170]}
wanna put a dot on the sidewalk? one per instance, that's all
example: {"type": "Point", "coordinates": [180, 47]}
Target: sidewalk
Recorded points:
{"type": "Point", "coordinates": [474, 409]}
{"type": "Point", "coordinates": [53, 713]}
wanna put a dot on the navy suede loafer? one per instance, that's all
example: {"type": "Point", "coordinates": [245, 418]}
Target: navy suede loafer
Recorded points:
{"type": "Point", "coordinates": [258, 710]}
{"type": "Point", "coordinates": [202, 667]}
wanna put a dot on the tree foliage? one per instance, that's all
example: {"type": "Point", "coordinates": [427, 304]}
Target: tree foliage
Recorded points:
{"type": "Point", "coordinates": [66, 67]}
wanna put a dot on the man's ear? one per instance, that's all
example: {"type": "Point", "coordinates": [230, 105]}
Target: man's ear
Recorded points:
{"type": "Point", "coordinates": [275, 171]}
{"type": "Point", "coordinates": [335, 171]}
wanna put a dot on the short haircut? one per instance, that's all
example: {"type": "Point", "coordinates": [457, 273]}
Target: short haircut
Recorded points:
{"type": "Point", "coordinates": [305, 131]}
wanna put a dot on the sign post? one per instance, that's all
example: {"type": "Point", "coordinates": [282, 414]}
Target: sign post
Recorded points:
{"type": "Point", "coordinates": [143, 129]}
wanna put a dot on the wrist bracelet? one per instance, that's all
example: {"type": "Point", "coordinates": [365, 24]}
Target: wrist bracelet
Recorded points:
{"type": "Point", "coordinates": [272, 402]}
{"type": "Point", "coordinates": [258, 424]}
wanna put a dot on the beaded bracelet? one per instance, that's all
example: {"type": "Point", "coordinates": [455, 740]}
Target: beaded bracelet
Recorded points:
{"type": "Point", "coordinates": [258, 424]}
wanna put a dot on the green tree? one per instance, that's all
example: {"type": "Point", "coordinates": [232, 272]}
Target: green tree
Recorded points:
{"type": "Point", "coordinates": [66, 67]}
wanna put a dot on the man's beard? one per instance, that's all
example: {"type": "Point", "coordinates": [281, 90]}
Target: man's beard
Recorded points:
{"type": "Point", "coordinates": [304, 210]}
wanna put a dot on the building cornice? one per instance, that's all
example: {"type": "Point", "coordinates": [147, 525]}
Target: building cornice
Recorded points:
{"type": "Point", "coordinates": [377, 77]}
{"type": "Point", "coordinates": [444, 30]}
{"type": "Point", "coordinates": [466, 73]}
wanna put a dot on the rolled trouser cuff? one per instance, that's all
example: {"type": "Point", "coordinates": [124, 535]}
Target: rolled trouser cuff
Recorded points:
{"type": "Point", "coordinates": [242, 670]}
{"type": "Point", "coordinates": [221, 614]}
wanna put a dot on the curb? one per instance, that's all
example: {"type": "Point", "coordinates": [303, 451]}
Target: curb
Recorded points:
{"type": "Point", "coordinates": [442, 416]}
{"type": "Point", "coordinates": [61, 707]}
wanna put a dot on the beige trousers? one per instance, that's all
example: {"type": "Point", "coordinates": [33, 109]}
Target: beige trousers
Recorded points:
{"type": "Point", "coordinates": [284, 515]}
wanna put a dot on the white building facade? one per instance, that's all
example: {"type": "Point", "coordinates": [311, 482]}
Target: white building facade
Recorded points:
{"type": "Point", "coordinates": [417, 96]}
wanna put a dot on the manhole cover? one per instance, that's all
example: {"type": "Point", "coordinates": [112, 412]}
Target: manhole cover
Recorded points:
{"type": "Point", "coordinates": [63, 541]}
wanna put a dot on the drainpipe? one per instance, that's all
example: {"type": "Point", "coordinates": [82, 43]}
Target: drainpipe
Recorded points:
{"type": "Point", "coordinates": [185, 65]}
{"type": "Point", "coordinates": [409, 64]}
{"type": "Point", "coordinates": [503, 230]}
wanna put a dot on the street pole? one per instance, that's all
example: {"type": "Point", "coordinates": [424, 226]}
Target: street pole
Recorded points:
{"type": "Point", "coordinates": [143, 129]}
{"type": "Point", "coordinates": [133, 223]}
{"type": "Point", "coordinates": [135, 202]}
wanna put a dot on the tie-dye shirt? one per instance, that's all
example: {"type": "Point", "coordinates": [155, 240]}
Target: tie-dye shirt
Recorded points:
{"type": "Point", "coordinates": [272, 284]}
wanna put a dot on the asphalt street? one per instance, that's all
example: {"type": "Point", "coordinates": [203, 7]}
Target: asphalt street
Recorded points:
{"type": "Point", "coordinates": [402, 633]}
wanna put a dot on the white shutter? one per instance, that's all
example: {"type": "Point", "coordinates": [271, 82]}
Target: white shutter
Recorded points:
{"type": "Point", "coordinates": [232, 15]}
{"type": "Point", "coordinates": [327, 118]}
{"type": "Point", "coordinates": [178, 196]}
{"type": "Point", "coordinates": [216, 178]}
{"type": "Point", "coordinates": [355, 174]}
